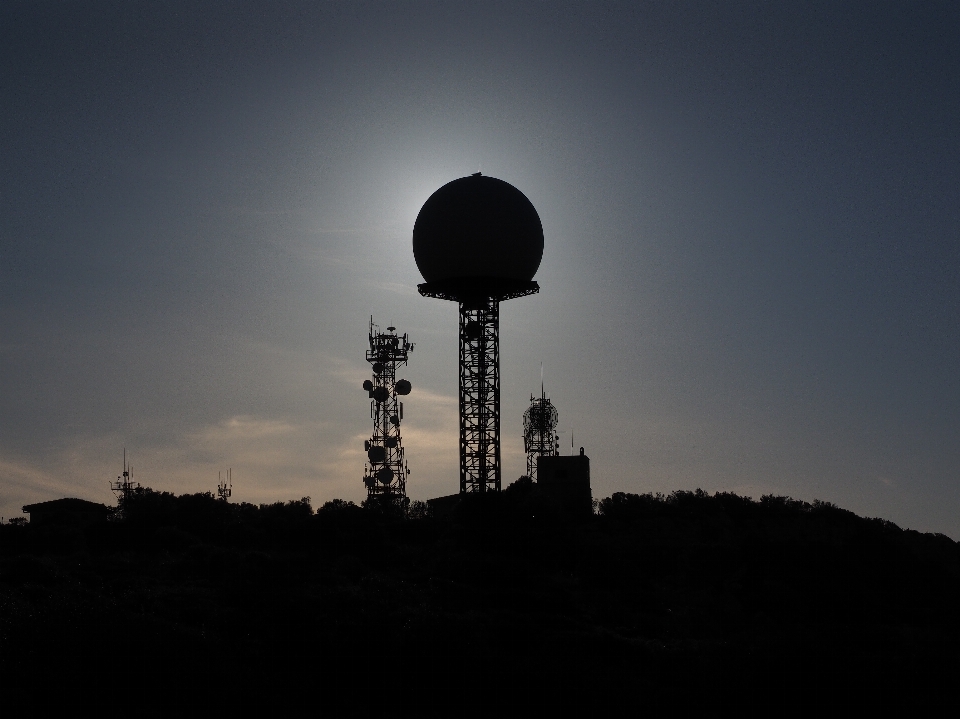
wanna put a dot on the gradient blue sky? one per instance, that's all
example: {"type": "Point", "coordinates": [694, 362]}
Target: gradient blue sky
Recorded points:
{"type": "Point", "coordinates": [751, 212]}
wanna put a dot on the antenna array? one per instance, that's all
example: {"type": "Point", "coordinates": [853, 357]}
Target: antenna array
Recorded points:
{"type": "Point", "coordinates": [539, 423]}
{"type": "Point", "coordinates": [385, 473]}
{"type": "Point", "coordinates": [124, 487]}
{"type": "Point", "coordinates": [225, 485]}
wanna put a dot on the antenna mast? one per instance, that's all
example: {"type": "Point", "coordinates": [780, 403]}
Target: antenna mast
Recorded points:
{"type": "Point", "coordinates": [385, 474]}
{"type": "Point", "coordinates": [539, 422]}
{"type": "Point", "coordinates": [124, 487]}
{"type": "Point", "coordinates": [225, 486]}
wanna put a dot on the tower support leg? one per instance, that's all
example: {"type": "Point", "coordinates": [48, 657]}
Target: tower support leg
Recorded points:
{"type": "Point", "coordinates": [480, 395]}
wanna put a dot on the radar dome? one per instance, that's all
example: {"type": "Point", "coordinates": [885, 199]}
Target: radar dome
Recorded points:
{"type": "Point", "coordinates": [478, 227]}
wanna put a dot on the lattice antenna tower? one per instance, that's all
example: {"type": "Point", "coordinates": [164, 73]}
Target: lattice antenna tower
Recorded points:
{"type": "Point", "coordinates": [539, 431]}
{"type": "Point", "coordinates": [386, 471]}
{"type": "Point", "coordinates": [225, 485]}
{"type": "Point", "coordinates": [124, 487]}
{"type": "Point", "coordinates": [478, 241]}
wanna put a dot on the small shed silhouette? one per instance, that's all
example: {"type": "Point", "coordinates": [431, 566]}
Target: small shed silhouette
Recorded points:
{"type": "Point", "coordinates": [443, 507]}
{"type": "Point", "coordinates": [566, 479]}
{"type": "Point", "coordinates": [69, 511]}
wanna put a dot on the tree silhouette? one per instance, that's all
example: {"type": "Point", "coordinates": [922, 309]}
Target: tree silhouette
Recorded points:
{"type": "Point", "coordinates": [655, 589]}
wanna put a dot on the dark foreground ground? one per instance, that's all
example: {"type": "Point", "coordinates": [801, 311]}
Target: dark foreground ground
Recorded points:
{"type": "Point", "coordinates": [689, 589]}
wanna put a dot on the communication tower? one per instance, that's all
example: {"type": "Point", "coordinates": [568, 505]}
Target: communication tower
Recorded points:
{"type": "Point", "coordinates": [225, 485]}
{"type": "Point", "coordinates": [539, 424]}
{"type": "Point", "coordinates": [124, 487]}
{"type": "Point", "coordinates": [386, 471]}
{"type": "Point", "coordinates": [478, 241]}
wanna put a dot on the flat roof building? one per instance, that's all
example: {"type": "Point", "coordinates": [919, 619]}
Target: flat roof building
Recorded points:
{"type": "Point", "coordinates": [567, 481]}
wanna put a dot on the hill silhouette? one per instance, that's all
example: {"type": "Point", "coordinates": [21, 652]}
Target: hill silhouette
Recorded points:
{"type": "Point", "coordinates": [691, 587]}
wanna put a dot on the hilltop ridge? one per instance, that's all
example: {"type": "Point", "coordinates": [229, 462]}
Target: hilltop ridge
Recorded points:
{"type": "Point", "coordinates": [652, 589]}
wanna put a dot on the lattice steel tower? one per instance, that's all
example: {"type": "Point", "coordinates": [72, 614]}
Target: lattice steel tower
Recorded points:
{"type": "Point", "coordinates": [225, 485]}
{"type": "Point", "coordinates": [539, 423]}
{"type": "Point", "coordinates": [478, 241]}
{"type": "Point", "coordinates": [124, 487]}
{"type": "Point", "coordinates": [385, 474]}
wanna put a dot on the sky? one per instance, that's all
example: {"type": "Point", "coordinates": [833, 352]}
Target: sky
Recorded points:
{"type": "Point", "coordinates": [751, 215]}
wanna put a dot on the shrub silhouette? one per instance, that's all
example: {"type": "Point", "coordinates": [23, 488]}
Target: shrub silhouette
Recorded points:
{"type": "Point", "coordinates": [419, 510]}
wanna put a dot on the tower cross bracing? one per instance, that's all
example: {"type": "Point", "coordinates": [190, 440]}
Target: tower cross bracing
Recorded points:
{"type": "Point", "coordinates": [480, 395]}
{"type": "Point", "coordinates": [539, 423]}
{"type": "Point", "coordinates": [385, 474]}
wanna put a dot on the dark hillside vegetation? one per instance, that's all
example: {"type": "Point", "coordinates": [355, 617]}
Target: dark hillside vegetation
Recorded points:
{"type": "Point", "coordinates": [710, 589]}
